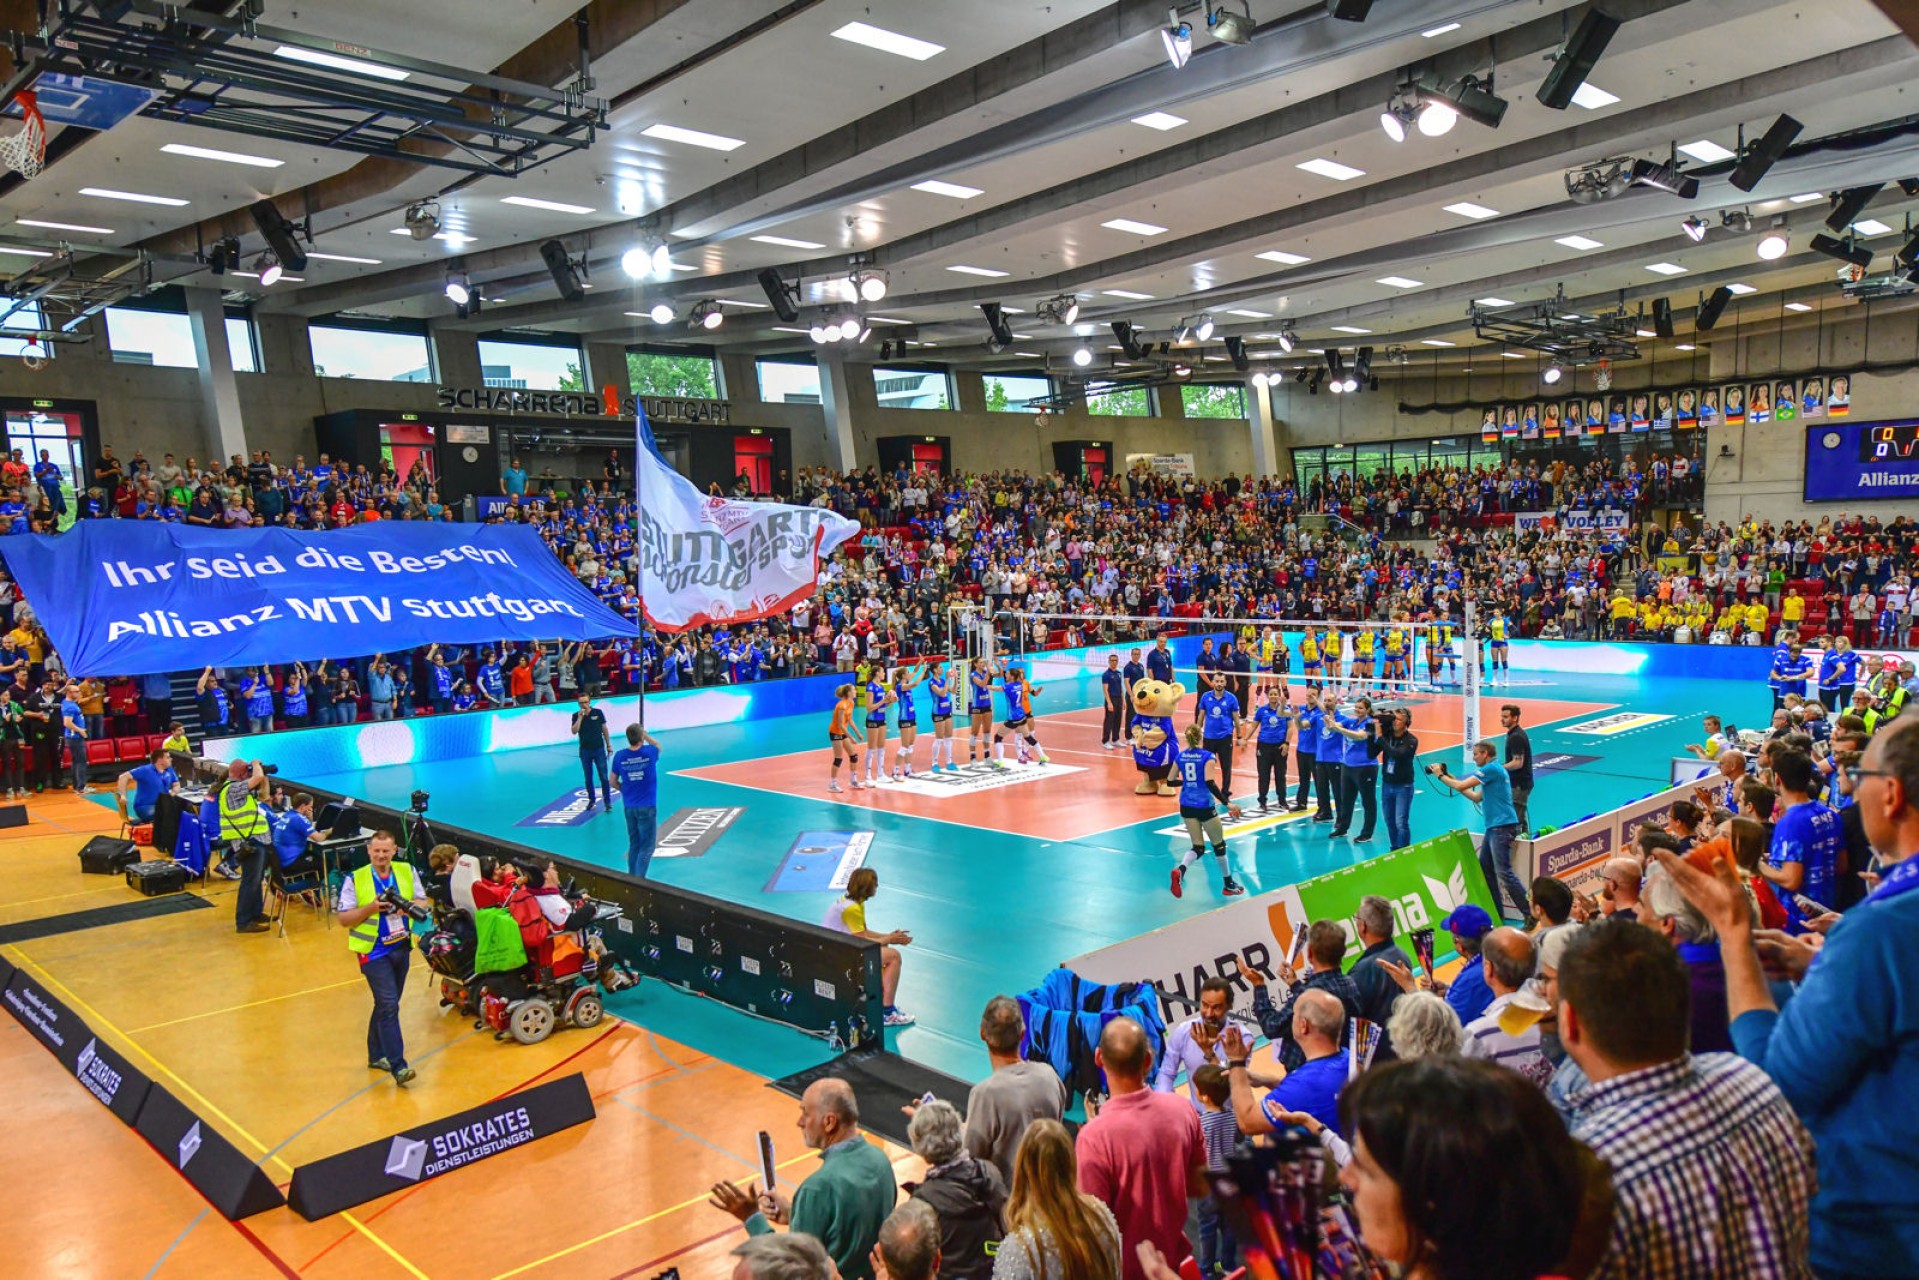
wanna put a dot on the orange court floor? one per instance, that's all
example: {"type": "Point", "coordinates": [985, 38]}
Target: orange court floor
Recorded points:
{"type": "Point", "coordinates": [262, 1036]}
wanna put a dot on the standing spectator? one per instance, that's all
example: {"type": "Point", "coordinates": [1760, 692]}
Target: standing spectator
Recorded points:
{"type": "Point", "coordinates": [788, 1257]}
{"type": "Point", "coordinates": [13, 744]}
{"type": "Point", "coordinates": [1509, 962]}
{"type": "Point", "coordinates": [1143, 1154]}
{"type": "Point", "coordinates": [40, 714]}
{"type": "Point", "coordinates": [1685, 927]}
{"type": "Point", "coordinates": [968, 1194]}
{"type": "Point", "coordinates": [1685, 1133]}
{"type": "Point", "coordinates": [1016, 1093]}
{"type": "Point", "coordinates": [1325, 950]}
{"type": "Point", "coordinates": [1055, 1231]}
{"type": "Point", "coordinates": [1376, 990]}
{"type": "Point", "coordinates": [1194, 1042]}
{"type": "Point", "coordinates": [1424, 1026]}
{"type": "Point", "coordinates": [636, 768]}
{"type": "Point", "coordinates": [844, 1201]}
{"type": "Point", "coordinates": [1519, 764]}
{"type": "Point", "coordinates": [73, 732]}
{"type": "Point", "coordinates": [1844, 1048]}
{"type": "Point", "coordinates": [910, 1247]}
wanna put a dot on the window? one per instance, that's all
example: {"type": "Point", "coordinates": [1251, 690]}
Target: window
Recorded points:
{"type": "Point", "coordinates": [912, 388]}
{"type": "Point", "coordinates": [1450, 451]}
{"type": "Point", "coordinates": [1370, 459]}
{"type": "Point", "coordinates": [164, 339]}
{"type": "Point", "coordinates": [788, 381]}
{"type": "Point", "coordinates": [1120, 402]}
{"type": "Point", "coordinates": [378, 354]}
{"type": "Point", "coordinates": [1009, 392]}
{"type": "Point", "coordinates": [531, 366]}
{"type": "Point", "coordinates": [688, 377]}
{"type": "Point", "coordinates": [30, 319]}
{"type": "Point", "coordinates": [1224, 401]}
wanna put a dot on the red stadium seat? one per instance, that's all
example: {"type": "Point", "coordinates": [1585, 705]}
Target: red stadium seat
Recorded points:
{"type": "Point", "coordinates": [99, 751]}
{"type": "Point", "coordinates": [153, 742]}
{"type": "Point", "coordinates": [132, 748]}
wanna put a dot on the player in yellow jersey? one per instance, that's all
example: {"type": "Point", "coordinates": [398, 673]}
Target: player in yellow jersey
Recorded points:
{"type": "Point", "coordinates": [1332, 652]}
{"type": "Point", "coordinates": [1395, 652]}
{"type": "Point", "coordinates": [1309, 665]}
{"type": "Point", "coordinates": [1362, 658]}
{"type": "Point", "coordinates": [1497, 628]}
{"type": "Point", "coordinates": [1435, 649]}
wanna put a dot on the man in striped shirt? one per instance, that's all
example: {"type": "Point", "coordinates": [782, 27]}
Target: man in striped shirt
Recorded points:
{"type": "Point", "coordinates": [1509, 959]}
{"type": "Point", "coordinates": [1712, 1171]}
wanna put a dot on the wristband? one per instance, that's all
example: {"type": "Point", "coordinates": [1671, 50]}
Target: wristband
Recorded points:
{"type": "Point", "coordinates": [1237, 1065]}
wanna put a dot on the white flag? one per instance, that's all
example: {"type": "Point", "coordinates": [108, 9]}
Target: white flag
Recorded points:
{"type": "Point", "coordinates": [706, 560]}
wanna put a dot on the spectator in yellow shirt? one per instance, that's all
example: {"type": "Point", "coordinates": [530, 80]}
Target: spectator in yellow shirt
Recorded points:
{"type": "Point", "coordinates": [1793, 608]}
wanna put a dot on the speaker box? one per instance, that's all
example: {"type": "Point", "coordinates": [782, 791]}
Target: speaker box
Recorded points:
{"type": "Point", "coordinates": [13, 815]}
{"type": "Point", "coordinates": [1662, 317]}
{"type": "Point", "coordinates": [105, 856]}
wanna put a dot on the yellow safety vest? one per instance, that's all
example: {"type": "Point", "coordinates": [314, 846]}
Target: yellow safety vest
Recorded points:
{"type": "Point", "coordinates": [364, 936]}
{"type": "Point", "coordinates": [241, 821]}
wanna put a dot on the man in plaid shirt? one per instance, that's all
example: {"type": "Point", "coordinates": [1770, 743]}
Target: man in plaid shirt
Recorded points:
{"type": "Point", "coordinates": [1712, 1171]}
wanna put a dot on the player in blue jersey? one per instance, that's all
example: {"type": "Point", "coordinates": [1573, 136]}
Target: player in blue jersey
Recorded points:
{"type": "Point", "coordinates": [878, 697]}
{"type": "Point", "coordinates": [979, 707]}
{"type": "Point", "coordinates": [1019, 719]}
{"type": "Point", "coordinates": [1198, 810]}
{"type": "Point", "coordinates": [939, 687]}
{"type": "Point", "coordinates": [1219, 722]}
{"type": "Point", "coordinates": [1271, 721]}
{"type": "Point", "coordinates": [907, 716]}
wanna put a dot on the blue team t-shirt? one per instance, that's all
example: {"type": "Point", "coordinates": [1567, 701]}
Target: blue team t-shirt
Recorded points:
{"type": "Point", "coordinates": [148, 784]}
{"type": "Point", "coordinates": [290, 837]}
{"type": "Point", "coordinates": [1191, 765]}
{"type": "Point", "coordinates": [1813, 836]}
{"type": "Point", "coordinates": [1219, 714]}
{"type": "Point", "coordinates": [1496, 794]}
{"type": "Point", "coordinates": [1312, 1087]}
{"type": "Point", "coordinates": [1272, 723]}
{"type": "Point", "coordinates": [635, 769]}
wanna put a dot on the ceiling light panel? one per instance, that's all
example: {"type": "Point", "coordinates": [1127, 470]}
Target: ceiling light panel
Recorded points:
{"type": "Point", "coordinates": [226, 157]}
{"type": "Point", "coordinates": [1741, 289]}
{"type": "Point", "coordinates": [988, 272]}
{"type": "Point", "coordinates": [1808, 198]}
{"type": "Point", "coordinates": [1438, 342]}
{"type": "Point", "coordinates": [1798, 306]}
{"type": "Point", "coordinates": [343, 257]}
{"type": "Point", "coordinates": [1440, 30]}
{"type": "Point", "coordinates": [1129, 294]}
{"type": "Point", "coordinates": [934, 187]}
{"type": "Point", "coordinates": [1592, 97]}
{"type": "Point", "coordinates": [1161, 120]}
{"type": "Point", "coordinates": [1252, 315]}
{"type": "Point", "coordinates": [1705, 151]}
{"type": "Point", "coordinates": [1349, 328]}
{"type": "Point", "coordinates": [294, 53]}
{"type": "Point", "coordinates": [1582, 243]}
{"type": "Point", "coordinates": [1870, 227]}
{"type": "Point", "coordinates": [1666, 269]}
{"type": "Point", "coordinates": [692, 137]}
{"type": "Point", "coordinates": [1398, 282]}
{"type": "Point", "coordinates": [787, 242]}
{"type": "Point", "coordinates": [551, 206]}
{"type": "Point", "coordinates": [1331, 169]}
{"type": "Point", "coordinates": [1493, 302]}
{"type": "Point", "coordinates": [1134, 228]}
{"type": "Point", "coordinates": [1467, 209]}
{"type": "Point", "coordinates": [107, 193]}
{"type": "Point", "coordinates": [64, 226]}
{"type": "Point", "coordinates": [885, 41]}
{"type": "Point", "coordinates": [1283, 258]}
{"type": "Point", "coordinates": [454, 238]}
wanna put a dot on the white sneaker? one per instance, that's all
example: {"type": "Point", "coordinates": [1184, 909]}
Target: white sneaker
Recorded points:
{"type": "Point", "coordinates": [836, 787]}
{"type": "Point", "coordinates": [857, 784]}
{"type": "Point", "coordinates": [899, 1018]}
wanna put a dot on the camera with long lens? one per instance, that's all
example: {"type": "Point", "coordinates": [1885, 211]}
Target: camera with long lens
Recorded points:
{"type": "Point", "coordinates": [1437, 769]}
{"type": "Point", "coordinates": [411, 910]}
{"type": "Point", "coordinates": [417, 802]}
{"type": "Point", "coordinates": [269, 769]}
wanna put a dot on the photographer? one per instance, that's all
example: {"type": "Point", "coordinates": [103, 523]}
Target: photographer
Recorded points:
{"type": "Point", "coordinates": [1490, 786]}
{"type": "Point", "coordinates": [1397, 750]}
{"type": "Point", "coordinates": [376, 903]}
{"type": "Point", "coordinates": [247, 835]}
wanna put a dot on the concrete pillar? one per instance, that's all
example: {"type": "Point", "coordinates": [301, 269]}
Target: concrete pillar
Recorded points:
{"type": "Point", "coordinates": [605, 362]}
{"type": "Point", "coordinates": [836, 401]}
{"type": "Point", "coordinates": [220, 420]}
{"type": "Point", "coordinates": [456, 355]}
{"type": "Point", "coordinates": [1259, 416]}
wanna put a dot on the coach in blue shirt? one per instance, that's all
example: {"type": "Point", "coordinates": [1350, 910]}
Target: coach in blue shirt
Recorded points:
{"type": "Point", "coordinates": [636, 768]}
{"type": "Point", "coordinates": [1328, 752]}
{"type": "Point", "coordinates": [1358, 771]}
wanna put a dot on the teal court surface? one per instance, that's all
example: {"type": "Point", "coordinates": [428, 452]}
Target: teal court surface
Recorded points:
{"type": "Point", "coordinates": [1001, 876]}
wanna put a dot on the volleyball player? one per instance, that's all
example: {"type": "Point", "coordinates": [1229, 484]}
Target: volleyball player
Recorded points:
{"type": "Point", "coordinates": [1271, 722]}
{"type": "Point", "coordinates": [1309, 665]}
{"type": "Point", "coordinates": [939, 687]}
{"type": "Point", "coordinates": [907, 718]}
{"type": "Point", "coordinates": [878, 696]}
{"type": "Point", "coordinates": [1498, 629]}
{"type": "Point", "coordinates": [1197, 794]}
{"type": "Point", "coordinates": [1362, 658]}
{"type": "Point", "coordinates": [1219, 722]}
{"type": "Point", "coordinates": [979, 708]}
{"type": "Point", "coordinates": [841, 732]}
{"type": "Point", "coordinates": [1019, 719]}
{"type": "Point", "coordinates": [1435, 649]}
{"type": "Point", "coordinates": [1332, 652]}
{"type": "Point", "coordinates": [1397, 638]}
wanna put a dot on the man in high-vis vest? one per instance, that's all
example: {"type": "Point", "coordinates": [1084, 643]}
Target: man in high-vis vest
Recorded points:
{"type": "Point", "coordinates": [248, 838]}
{"type": "Point", "coordinates": [377, 934]}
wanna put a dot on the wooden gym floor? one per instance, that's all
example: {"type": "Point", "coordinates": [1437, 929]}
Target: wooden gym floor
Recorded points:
{"type": "Point", "coordinates": [262, 1036]}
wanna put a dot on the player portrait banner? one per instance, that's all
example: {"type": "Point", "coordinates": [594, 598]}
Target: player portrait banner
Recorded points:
{"type": "Point", "coordinates": [1423, 882]}
{"type": "Point", "coordinates": [708, 559]}
{"type": "Point", "coordinates": [1814, 397]}
{"type": "Point", "coordinates": [133, 597]}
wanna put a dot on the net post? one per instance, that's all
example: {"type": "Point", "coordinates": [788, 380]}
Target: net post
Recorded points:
{"type": "Point", "coordinates": [1469, 681]}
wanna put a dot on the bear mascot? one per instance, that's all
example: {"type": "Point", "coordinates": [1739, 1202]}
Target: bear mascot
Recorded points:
{"type": "Point", "coordinates": [1154, 745]}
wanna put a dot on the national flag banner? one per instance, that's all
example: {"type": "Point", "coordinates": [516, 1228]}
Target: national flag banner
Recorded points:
{"type": "Point", "coordinates": [716, 560]}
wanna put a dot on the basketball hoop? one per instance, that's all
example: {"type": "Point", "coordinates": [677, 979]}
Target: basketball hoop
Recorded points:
{"type": "Point", "coordinates": [25, 152]}
{"type": "Point", "coordinates": [33, 356]}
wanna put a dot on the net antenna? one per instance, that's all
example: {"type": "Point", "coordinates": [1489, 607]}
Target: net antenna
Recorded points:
{"type": "Point", "coordinates": [25, 151]}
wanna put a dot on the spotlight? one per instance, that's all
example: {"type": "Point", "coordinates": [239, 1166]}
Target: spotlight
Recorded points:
{"type": "Point", "coordinates": [1472, 97]}
{"type": "Point", "coordinates": [1182, 331]}
{"type": "Point", "coordinates": [1695, 228]}
{"type": "Point", "coordinates": [1182, 371]}
{"type": "Point", "coordinates": [1773, 245]}
{"type": "Point", "coordinates": [1349, 10]}
{"type": "Point", "coordinates": [1401, 110]}
{"type": "Point", "coordinates": [1082, 355]}
{"type": "Point", "coordinates": [706, 314]}
{"type": "Point", "coordinates": [1363, 364]}
{"type": "Point", "coordinates": [886, 349]}
{"type": "Point", "coordinates": [818, 333]}
{"type": "Point", "coordinates": [1664, 177]}
{"type": "Point", "coordinates": [1352, 383]}
{"type": "Point", "coordinates": [1333, 365]}
{"type": "Point", "coordinates": [1260, 379]}
{"type": "Point", "coordinates": [1203, 327]}
{"type": "Point", "coordinates": [566, 277]}
{"type": "Point", "coordinates": [1236, 350]}
{"type": "Point", "coordinates": [850, 328]}
{"type": "Point", "coordinates": [1739, 220]}
{"type": "Point", "coordinates": [1708, 314]}
{"type": "Point", "coordinates": [1178, 39]}
{"type": "Point", "coordinates": [1849, 204]}
{"type": "Point", "coordinates": [868, 286]}
{"type": "Point", "coordinates": [1336, 386]}
{"type": "Point", "coordinates": [270, 268]}
{"type": "Point", "coordinates": [1230, 27]}
{"type": "Point", "coordinates": [1286, 341]}
{"type": "Point", "coordinates": [1552, 374]}
{"type": "Point", "coordinates": [996, 323]}
{"type": "Point", "coordinates": [1763, 154]}
{"type": "Point", "coordinates": [661, 313]}
{"type": "Point", "coordinates": [224, 256]}
{"type": "Point", "coordinates": [1061, 309]}
{"type": "Point", "coordinates": [783, 297]}
{"type": "Point", "coordinates": [646, 259]}
{"type": "Point", "coordinates": [423, 220]}
{"type": "Point", "coordinates": [866, 331]}
{"type": "Point", "coordinates": [1575, 62]}
{"type": "Point", "coordinates": [458, 288]}
{"type": "Point", "coordinates": [281, 235]}
{"type": "Point", "coordinates": [1436, 119]}
{"type": "Point", "coordinates": [1600, 180]}
{"type": "Point", "coordinates": [1910, 186]}
{"type": "Point", "coordinates": [1844, 250]}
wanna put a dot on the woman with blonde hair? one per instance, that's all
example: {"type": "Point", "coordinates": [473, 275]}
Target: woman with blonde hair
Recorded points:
{"type": "Point", "coordinates": [848, 915]}
{"type": "Point", "coordinates": [1053, 1231]}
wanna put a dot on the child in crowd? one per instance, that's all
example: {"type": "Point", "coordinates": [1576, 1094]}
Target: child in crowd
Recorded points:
{"type": "Point", "coordinates": [1218, 1250]}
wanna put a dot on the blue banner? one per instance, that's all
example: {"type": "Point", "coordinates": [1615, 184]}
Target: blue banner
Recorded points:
{"type": "Point", "coordinates": [125, 597]}
{"type": "Point", "coordinates": [820, 861]}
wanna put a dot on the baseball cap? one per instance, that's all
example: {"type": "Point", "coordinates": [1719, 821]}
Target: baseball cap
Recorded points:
{"type": "Point", "coordinates": [1468, 921]}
